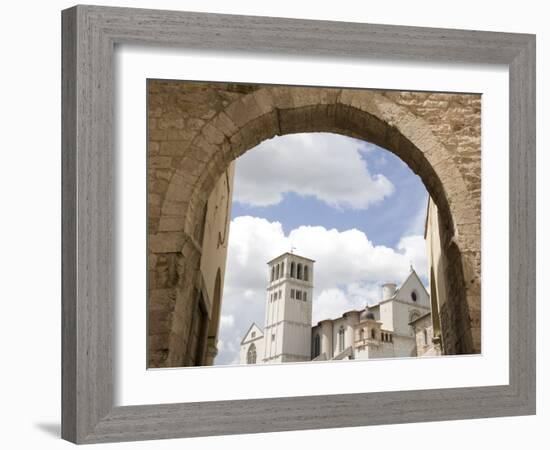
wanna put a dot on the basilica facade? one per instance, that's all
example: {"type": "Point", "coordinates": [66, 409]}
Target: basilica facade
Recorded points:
{"type": "Point", "coordinates": [398, 325]}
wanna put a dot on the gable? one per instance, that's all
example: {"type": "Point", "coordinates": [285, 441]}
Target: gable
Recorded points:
{"type": "Point", "coordinates": [253, 333]}
{"type": "Point", "coordinates": [410, 285]}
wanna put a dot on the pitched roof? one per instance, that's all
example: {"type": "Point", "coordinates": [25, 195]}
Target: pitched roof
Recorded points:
{"type": "Point", "coordinates": [429, 313]}
{"type": "Point", "coordinates": [413, 272]}
{"type": "Point", "coordinates": [351, 311]}
{"type": "Point", "coordinates": [249, 330]}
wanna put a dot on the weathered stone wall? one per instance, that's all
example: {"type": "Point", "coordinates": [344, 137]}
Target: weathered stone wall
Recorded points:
{"type": "Point", "coordinates": [185, 276]}
{"type": "Point", "coordinates": [424, 340]}
{"type": "Point", "coordinates": [195, 130]}
{"type": "Point", "coordinates": [456, 121]}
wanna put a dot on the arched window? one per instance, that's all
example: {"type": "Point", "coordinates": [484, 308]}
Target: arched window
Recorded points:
{"type": "Point", "coordinates": [282, 269]}
{"type": "Point", "coordinates": [341, 339]}
{"type": "Point", "coordinates": [306, 273]}
{"type": "Point", "coordinates": [299, 272]}
{"type": "Point", "coordinates": [316, 346]}
{"type": "Point", "coordinates": [425, 332]}
{"type": "Point", "coordinates": [273, 273]}
{"type": "Point", "coordinates": [292, 270]}
{"type": "Point", "coordinates": [373, 334]}
{"type": "Point", "coordinates": [362, 334]}
{"type": "Point", "coordinates": [277, 272]}
{"type": "Point", "coordinates": [251, 354]}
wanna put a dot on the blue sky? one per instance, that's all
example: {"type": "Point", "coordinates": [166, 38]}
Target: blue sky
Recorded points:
{"type": "Point", "coordinates": [355, 208]}
{"type": "Point", "coordinates": [385, 222]}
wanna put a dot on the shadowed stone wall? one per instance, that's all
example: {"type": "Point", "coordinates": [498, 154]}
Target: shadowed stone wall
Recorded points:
{"type": "Point", "coordinates": [195, 131]}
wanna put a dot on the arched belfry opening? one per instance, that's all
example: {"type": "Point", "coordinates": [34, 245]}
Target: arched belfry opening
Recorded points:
{"type": "Point", "coordinates": [191, 150]}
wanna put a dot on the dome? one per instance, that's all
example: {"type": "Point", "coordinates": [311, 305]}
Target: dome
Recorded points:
{"type": "Point", "coordinates": [366, 315]}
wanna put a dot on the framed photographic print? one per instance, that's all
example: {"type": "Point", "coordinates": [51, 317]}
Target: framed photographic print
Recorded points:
{"type": "Point", "coordinates": [268, 222]}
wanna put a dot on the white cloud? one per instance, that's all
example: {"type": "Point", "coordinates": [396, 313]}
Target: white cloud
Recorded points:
{"type": "Point", "coordinates": [326, 166]}
{"type": "Point", "coordinates": [348, 272]}
{"type": "Point", "coordinates": [329, 304]}
{"type": "Point", "coordinates": [227, 321]}
{"type": "Point", "coordinates": [414, 250]}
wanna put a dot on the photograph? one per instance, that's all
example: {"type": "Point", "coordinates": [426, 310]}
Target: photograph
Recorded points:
{"type": "Point", "coordinates": [264, 225]}
{"type": "Point", "coordinates": [299, 224]}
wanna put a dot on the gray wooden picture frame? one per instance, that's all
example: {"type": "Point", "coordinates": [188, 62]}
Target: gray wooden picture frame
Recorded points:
{"type": "Point", "coordinates": [89, 37]}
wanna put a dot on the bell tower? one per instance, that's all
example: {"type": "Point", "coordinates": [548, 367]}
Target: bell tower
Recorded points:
{"type": "Point", "coordinates": [287, 332]}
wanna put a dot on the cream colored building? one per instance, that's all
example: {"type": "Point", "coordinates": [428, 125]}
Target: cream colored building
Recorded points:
{"type": "Point", "coordinates": [378, 331]}
{"type": "Point", "coordinates": [252, 345]}
{"type": "Point", "coordinates": [382, 330]}
{"type": "Point", "coordinates": [287, 330]}
{"type": "Point", "coordinates": [437, 282]}
{"type": "Point", "coordinates": [203, 340]}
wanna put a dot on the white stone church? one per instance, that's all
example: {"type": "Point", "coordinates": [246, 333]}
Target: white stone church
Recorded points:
{"type": "Point", "coordinates": [398, 325]}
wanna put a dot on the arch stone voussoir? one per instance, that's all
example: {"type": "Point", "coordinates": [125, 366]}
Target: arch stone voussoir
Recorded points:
{"type": "Point", "coordinates": [255, 131]}
{"type": "Point", "coordinates": [290, 97]}
{"type": "Point", "coordinates": [244, 110]}
{"type": "Point", "coordinates": [223, 123]}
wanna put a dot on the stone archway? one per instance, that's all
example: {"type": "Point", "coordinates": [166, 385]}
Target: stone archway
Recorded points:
{"type": "Point", "coordinates": [195, 132]}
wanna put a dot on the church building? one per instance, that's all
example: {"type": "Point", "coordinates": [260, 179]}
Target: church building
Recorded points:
{"type": "Point", "coordinates": [393, 327]}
